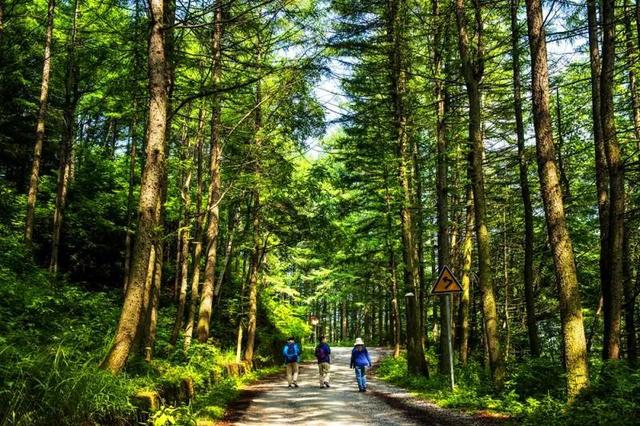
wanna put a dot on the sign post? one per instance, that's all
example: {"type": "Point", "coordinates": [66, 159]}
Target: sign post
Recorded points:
{"type": "Point", "coordinates": [445, 286]}
{"type": "Point", "coordinates": [314, 322]}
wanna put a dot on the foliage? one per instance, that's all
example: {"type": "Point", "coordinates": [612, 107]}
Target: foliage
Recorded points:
{"type": "Point", "coordinates": [52, 338]}
{"type": "Point", "coordinates": [534, 394]}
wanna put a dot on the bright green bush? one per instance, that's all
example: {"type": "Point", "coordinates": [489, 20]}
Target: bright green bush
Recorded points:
{"type": "Point", "coordinates": [534, 393]}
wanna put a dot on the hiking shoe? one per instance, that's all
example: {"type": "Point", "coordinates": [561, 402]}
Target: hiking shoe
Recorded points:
{"type": "Point", "coordinates": [289, 386]}
{"type": "Point", "coordinates": [327, 384]}
{"type": "Point", "coordinates": [295, 384]}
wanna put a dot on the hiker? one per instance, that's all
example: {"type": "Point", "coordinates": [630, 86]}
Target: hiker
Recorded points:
{"type": "Point", "coordinates": [323, 355]}
{"type": "Point", "coordinates": [291, 352]}
{"type": "Point", "coordinates": [360, 360]}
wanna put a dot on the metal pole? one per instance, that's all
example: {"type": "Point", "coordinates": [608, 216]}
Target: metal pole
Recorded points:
{"type": "Point", "coordinates": [447, 312]}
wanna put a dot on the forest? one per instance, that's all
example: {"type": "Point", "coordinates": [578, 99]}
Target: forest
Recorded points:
{"type": "Point", "coordinates": [185, 184]}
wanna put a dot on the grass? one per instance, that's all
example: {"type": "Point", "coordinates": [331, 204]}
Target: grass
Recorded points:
{"type": "Point", "coordinates": [53, 335]}
{"type": "Point", "coordinates": [534, 393]}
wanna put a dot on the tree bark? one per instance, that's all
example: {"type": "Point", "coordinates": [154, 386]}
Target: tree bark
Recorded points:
{"type": "Point", "coordinates": [133, 152]}
{"type": "Point", "coordinates": [395, 34]}
{"type": "Point", "coordinates": [473, 69]}
{"type": "Point", "coordinates": [612, 292]}
{"type": "Point", "coordinates": [602, 173]}
{"type": "Point", "coordinates": [629, 302]}
{"type": "Point", "coordinates": [632, 57]}
{"type": "Point", "coordinates": [184, 233]}
{"type": "Point", "coordinates": [40, 125]}
{"type": "Point", "coordinates": [530, 305]}
{"type": "Point", "coordinates": [151, 324]}
{"type": "Point", "coordinates": [465, 280]}
{"type": "Point", "coordinates": [564, 180]}
{"type": "Point", "coordinates": [395, 310]}
{"type": "Point", "coordinates": [150, 194]}
{"type": "Point", "coordinates": [197, 251]}
{"type": "Point", "coordinates": [575, 354]}
{"type": "Point", "coordinates": [213, 208]}
{"type": "Point", "coordinates": [442, 200]}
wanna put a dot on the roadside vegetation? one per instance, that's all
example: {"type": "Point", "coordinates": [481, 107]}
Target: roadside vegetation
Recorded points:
{"type": "Point", "coordinates": [534, 392]}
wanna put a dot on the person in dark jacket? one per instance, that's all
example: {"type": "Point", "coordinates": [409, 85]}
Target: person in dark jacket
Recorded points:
{"type": "Point", "coordinates": [291, 353]}
{"type": "Point", "coordinates": [323, 355]}
{"type": "Point", "coordinates": [360, 360]}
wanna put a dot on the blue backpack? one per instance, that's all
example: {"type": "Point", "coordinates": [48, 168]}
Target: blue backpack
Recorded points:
{"type": "Point", "coordinates": [291, 353]}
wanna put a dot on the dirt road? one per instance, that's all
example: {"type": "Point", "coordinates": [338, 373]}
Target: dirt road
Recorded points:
{"type": "Point", "coordinates": [272, 403]}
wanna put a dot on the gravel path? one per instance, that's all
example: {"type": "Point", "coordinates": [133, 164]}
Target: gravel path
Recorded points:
{"type": "Point", "coordinates": [272, 403]}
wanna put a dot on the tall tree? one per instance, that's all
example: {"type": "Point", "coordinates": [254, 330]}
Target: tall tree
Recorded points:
{"type": "Point", "coordinates": [465, 279]}
{"type": "Point", "coordinates": [256, 254]}
{"type": "Point", "coordinates": [612, 292]}
{"type": "Point", "coordinates": [213, 208]}
{"type": "Point", "coordinates": [602, 173]}
{"type": "Point", "coordinates": [530, 305]}
{"type": "Point", "coordinates": [472, 61]}
{"type": "Point", "coordinates": [40, 125]}
{"type": "Point", "coordinates": [198, 234]}
{"type": "Point", "coordinates": [71, 98]}
{"type": "Point", "coordinates": [395, 19]}
{"type": "Point", "coordinates": [442, 200]}
{"type": "Point", "coordinates": [575, 352]}
{"type": "Point", "coordinates": [150, 195]}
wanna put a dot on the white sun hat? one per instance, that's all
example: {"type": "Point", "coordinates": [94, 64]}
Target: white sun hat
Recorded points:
{"type": "Point", "coordinates": [359, 341]}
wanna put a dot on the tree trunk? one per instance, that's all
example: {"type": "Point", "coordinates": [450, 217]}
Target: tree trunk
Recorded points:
{"type": "Point", "coordinates": [467, 252]}
{"type": "Point", "coordinates": [184, 234]}
{"type": "Point", "coordinates": [632, 57]}
{"type": "Point", "coordinates": [575, 354]}
{"type": "Point", "coordinates": [532, 325]}
{"type": "Point", "coordinates": [395, 310]}
{"type": "Point", "coordinates": [564, 180]}
{"type": "Point", "coordinates": [442, 200]}
{"type": "Point", "coordinates": [612, 292]}
{"type": "Point", "coordinates": [252, 283]}
{"type": "Point", "coordinates": [150, 194]}
{"type": "Point", "coordinates": [594, 325]}
{"type": "Point", "coordinates": [602, 173]}
{"type": "Point", "coordinates": [68, 135]}
{"type": "Point", "coordinates": [213, 208]}
{"type": "Point", "coordinates": [197, 251]}
{"type": "Point", "coordinates": [231, 231]}
{"type": "Point", "coordinates": [40, 125]}
{"type": "Point", "coordinates": [473, 69]}
{"type": "Point", "coordinates": [133, 150]}
{"type": "Point", "coordinates": [395, 34]}
{"type": "Point", "coordinates": [151, 324]}
{"type": "Point", "coordinates": [629, 302]}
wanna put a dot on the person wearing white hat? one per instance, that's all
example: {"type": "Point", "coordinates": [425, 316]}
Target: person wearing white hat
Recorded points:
{"type": "Point", "coordinates": [360, 360]}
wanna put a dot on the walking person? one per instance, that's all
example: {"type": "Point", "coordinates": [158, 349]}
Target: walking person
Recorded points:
{"type": "Point", "coordinates": [360, 360]}
{"type": "Point", "coordinates": [291, 352]}
{"type": "Point", "coordinates": [323, 355]}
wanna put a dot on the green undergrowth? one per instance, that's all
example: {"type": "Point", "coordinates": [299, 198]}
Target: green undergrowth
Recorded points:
{"type": "Point", "coordinates": [533, 395]}
{"type": "Point", "coordinates": [53, 335]}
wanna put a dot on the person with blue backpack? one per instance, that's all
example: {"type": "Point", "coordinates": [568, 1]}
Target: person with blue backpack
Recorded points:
{"type": "Point", "coordinates": [360, 360]}
{"type": "Point", "coordinates": [323, 355]}
{"type": "Point", "coordinates": [291, 352]}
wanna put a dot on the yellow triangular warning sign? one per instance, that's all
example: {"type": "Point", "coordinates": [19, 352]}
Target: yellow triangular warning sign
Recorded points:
{"type": "Point", "coordinates": [446, 283]}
